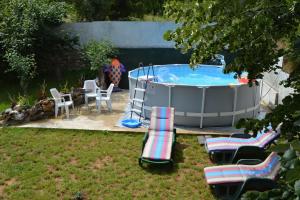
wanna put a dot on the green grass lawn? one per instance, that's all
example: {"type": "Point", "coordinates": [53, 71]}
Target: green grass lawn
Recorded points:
{"type": "Point", "coordinates": [56, 164]}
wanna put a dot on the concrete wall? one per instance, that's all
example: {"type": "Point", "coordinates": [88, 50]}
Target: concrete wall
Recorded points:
{"type": "Point", "coordinates": [123, 34]}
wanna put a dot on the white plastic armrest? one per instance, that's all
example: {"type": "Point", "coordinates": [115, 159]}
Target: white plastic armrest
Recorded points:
{"type": "Point", "coordinates": [56, 99]}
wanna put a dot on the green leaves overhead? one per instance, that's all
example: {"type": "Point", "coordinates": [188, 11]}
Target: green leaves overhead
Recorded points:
{"type": "Point", "coordinates": [289, 154]}
{"type": "Point", "coordinates": [248, 29]}
{"type": "Point", "coordinates": [255, 33]}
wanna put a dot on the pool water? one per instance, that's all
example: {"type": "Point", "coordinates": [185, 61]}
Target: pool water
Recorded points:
{"type": "Point", "coordinates": [202, 75]}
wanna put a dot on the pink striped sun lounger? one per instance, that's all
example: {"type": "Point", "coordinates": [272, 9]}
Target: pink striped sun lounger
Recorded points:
{"type": "Point", "coordinates": [240, 173]}
{"type": "Point", "coordinates": [160, 139]}
{"type": "Point", "coordinates": [229, 143]}
{"type": "Point", "coordinates": [238, 146]}
{"type": "Point", "coordinates": [230, 181]}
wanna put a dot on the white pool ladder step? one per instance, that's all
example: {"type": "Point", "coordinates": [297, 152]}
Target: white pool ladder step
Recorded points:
{"type": "Point", "coordinates": [136, 110]}
{"type": "Point", "coordinates": [140, 89]}
{"type": "Point", "coordinates": [138, 100]}
{"type": "Point", "coordinates": [137, 105]}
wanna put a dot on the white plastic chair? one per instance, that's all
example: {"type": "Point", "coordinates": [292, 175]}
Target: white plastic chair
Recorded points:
{"type": "Point", "coordinates": [104, 95]}
{"type": "Point", "coordinates": [92, 86]}
{"type": "Point", "coordinates": [60, 101]}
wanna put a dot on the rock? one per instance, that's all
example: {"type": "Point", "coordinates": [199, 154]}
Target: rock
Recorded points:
{"type": "Point", "coordinates": [13, 112]}
{"type": "Point", "coordinates": [17, 108]}
{"type": "Point", "coordinates": [41, 110]}
{"type": "Point", "coordinates": [47, 105]}
{"type": "Point", "coordinates": [19, 117]}
{"type": "Point", "coordinates": [78, 96]}
{"type": "Point", "coordinates": [8, 110]}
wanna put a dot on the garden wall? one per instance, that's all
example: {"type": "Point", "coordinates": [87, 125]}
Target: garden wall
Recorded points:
{"type": "Point", "coordinates": [137, 41]}
{"type": "Point", "coordinates": [123, 34]}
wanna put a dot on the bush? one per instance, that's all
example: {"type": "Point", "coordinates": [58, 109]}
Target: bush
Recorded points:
{"type": "Point", "coordinates": [99, 54]}
{"type": "Point", "coordinates": [25, 29]}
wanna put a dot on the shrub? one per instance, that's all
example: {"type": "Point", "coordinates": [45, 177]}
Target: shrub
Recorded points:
{"type": "Point", "coordinates": [99, 54]}
{"type": "Point", "coordinates": [25, 27]}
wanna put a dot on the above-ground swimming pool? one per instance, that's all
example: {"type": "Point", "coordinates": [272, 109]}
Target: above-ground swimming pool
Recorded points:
{"type": "Point", "coordinates": [202, 97]}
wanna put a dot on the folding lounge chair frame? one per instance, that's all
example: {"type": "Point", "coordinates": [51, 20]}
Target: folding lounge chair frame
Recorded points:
{"type": "Point", "coordinates": [157, 161]}
{"type": "Point", "coordinates": [232, 191]}
{"type": "Point", "coordinates": [146, 137]}
{"type": "Point", "coordinates": [245, 151]}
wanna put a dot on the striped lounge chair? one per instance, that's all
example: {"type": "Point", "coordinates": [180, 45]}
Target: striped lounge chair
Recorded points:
{"type": "Point", "coordinates": [160, 139]}
{"type": "Point", "coordinates": [230, 181]}
{"type": "Point", "coordinates": [240, 145]}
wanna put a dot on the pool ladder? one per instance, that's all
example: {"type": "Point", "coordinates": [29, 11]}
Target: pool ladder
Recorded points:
{"type": "Point", "coordinates": [137, 104]}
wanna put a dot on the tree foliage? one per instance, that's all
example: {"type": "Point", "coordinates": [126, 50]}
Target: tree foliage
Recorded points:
{"type": "Point", "coordinates": [255, 32]}
{"type": "Point", "coordinates": [288, 179]}
{"type": "Point", "coordinates": [96, 10]}
{"type": "Point", "coordinates": [99, 54]}
{"type": "Point", "coordinates": [25, 30]}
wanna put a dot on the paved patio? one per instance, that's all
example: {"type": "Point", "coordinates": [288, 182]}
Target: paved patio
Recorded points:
{"type": "Point", "coordinates": [90, 119]}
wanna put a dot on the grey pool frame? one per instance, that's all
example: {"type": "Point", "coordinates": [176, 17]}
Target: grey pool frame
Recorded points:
{"type": "Point", "coordinates": [201, 106]}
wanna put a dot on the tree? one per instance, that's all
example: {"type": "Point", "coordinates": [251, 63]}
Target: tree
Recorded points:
{"type": "Point", "coordinates": [257, 33]}
{"type": "Point", "coordinates": [24, 30]}
{"type": "Point", "coordinates": [96, 10]}
{"type": "Point", "coordinates": [90, 10]}
{"type": "Point", "coordinates": [99, 54]}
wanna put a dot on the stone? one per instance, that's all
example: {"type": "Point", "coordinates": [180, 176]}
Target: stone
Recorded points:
{"type": "Point", "coordinates": [19, 116]}
{"type": "Point", "coordinates": [17, 108]}
{"type": "Point", "coordinates": [8, 110]}
{"type": "Point", "coordinates": [13, 112]}
{"type": "Point", "coordinates": [47, 105]}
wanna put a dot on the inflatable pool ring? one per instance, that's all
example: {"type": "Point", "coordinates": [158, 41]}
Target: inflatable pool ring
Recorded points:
{"type": "Point", "coordinates": [243, 80]}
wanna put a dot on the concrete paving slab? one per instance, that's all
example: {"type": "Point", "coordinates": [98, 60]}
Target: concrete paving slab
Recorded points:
{"type": "Point", "coordinates": [89, 119]}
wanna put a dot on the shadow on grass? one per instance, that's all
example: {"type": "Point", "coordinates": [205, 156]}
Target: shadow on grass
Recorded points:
{"type": "Point", "coordinates": [168, 168]}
